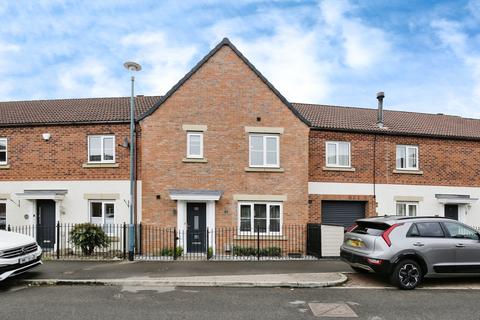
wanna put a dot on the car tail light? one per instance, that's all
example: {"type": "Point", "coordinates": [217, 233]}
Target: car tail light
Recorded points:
{"type": "Point", "coordinates": [386, 233]}
{"type": "Point", "coordinates": [351, 228]}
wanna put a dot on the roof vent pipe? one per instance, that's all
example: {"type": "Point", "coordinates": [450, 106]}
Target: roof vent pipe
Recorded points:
{"type": "Point", "coordinates": [380, 96]}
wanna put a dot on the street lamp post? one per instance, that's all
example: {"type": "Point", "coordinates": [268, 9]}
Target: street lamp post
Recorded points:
{"type": "Point", "coordinates": [132, 67]}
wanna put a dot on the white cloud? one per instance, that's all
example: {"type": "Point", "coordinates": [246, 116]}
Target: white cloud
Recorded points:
{"type": "Point", "coordinates": [88, 78]}
{"type": "Point", "coordinates": [363, 45]}
{"type": "Point", "coordinates": [164, 62]}
{"type": "Point", "coordinates": [452, 36]}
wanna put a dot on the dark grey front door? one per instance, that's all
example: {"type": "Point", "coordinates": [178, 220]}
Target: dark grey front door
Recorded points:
{"type": "Point", "coordinates": [196, 227]}
{"type": "Point", "coordinates": [451, 211]}
{"type": "Point", "coordinates": [46, 223]}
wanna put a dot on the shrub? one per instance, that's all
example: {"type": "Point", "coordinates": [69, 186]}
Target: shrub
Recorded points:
{"type": "Point", "coordinates": [250, 251]}
{"type": "Point", "coordinates": [87, 237]}
{"type": "Point", "coordinates": [209, 252]}
{"type": "Point", "coordinates": [168, 252]}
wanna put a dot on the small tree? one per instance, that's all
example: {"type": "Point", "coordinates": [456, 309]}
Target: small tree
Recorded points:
{"type": "Point", "coordinates": [88, 236]}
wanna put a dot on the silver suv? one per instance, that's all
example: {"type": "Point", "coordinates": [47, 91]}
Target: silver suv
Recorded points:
{"type": "Point", "coordinates": [407, 249]}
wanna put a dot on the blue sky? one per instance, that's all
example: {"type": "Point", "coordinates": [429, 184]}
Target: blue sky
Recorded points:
{"type": "Point", "coordinates": [425, 55]}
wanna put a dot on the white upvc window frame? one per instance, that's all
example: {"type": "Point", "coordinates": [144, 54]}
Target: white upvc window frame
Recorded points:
{"type": "Point", "coordinates": [102, 154]}
{"type": "Point", "coordinates": [252, 217]}
{"type": "Point", "coordinates": [107, 227]}
{"type": "Point", "coordinates": [264, 151]}
{"type": "Point", "coordinates": [407, 147]}
{"type": "Point", "coordinates": [337, 156]}
{"type": "Point", "coordinates": [408, 205]}
{"type": "Point", "coordinates": [189, 135]}
{"type": "Point", "coordinates": [4, 203]}
{"type": "Point", "coordinates": [6, 151]}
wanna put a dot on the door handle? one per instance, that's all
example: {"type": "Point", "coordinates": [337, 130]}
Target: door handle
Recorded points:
{"type": "Point", "coordinates": [418, 244]}
{"type": "Point", "coordinates": [460, 245]}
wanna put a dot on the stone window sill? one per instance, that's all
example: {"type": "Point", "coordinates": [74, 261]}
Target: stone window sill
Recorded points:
{"type": "Point", "coordinates": [251, 169]}
{"type": "Point", "coordinates": [408, 172]}
{"type": "Point", "coordinates": [193, 160]}
{"type": "Point", "coordinates": [100, 165]}
{"type": "Point", "coordinates": [262, 237]}
{"type": "Point", "coordinates": [4, 166]}
{"type": "Point", "coordinates": [338, 169]}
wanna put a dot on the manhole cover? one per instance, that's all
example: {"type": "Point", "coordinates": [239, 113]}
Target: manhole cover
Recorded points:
{"type": "Point", "coordinates": [332, 310]}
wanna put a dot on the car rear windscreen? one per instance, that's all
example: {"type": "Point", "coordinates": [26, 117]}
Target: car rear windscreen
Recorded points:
{"type": "Point", "coordinates": [371, 228]}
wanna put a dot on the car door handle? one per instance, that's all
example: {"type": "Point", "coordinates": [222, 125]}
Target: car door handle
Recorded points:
{"type": "Point", "coordinates": [418, 244]}
{"type": "Point", "coordinates": [460, 245]}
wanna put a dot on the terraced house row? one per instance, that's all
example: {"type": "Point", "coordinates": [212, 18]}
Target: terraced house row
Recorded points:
{"type": "Point", "coordinates": [224, 148]}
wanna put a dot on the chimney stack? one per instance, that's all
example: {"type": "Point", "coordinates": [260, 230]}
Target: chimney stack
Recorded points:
{"type": "Point", "coordinates": [380, 96]}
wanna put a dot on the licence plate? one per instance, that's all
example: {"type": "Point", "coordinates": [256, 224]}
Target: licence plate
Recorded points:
{"type": "Point", "coordinates": [26, 259]}
{"type": "Point", "coordinates": [355, 243]}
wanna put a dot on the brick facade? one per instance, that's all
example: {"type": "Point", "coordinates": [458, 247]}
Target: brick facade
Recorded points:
{"type": "Point", "coordinates": [442, 162]}
{"type": "Point", "coordinates": [62, 157]}
{"type": "Point", "coordinates": [226, 96]}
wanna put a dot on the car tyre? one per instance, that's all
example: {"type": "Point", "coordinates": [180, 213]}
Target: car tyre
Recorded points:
{"type": "Point", "coordinates": [360, 270]}
{"type": "Point", "coordinates": [406, 275]}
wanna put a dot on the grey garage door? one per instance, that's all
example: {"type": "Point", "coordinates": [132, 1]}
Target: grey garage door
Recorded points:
{"type": "Point", "coordinates": [343, 213]}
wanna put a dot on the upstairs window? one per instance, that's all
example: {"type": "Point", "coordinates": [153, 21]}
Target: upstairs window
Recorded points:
{"type": "Point", "coordinates": [338, 154]}
{"type": "Point", "coordinates": [101, 149]}
{"type": "Point", "coordinates": [195, 145]}
{"type": "Point", "coordinates": [264, 151]}
{"type": "Point", "coordinates": [408, 209]}
{"type": "Point", "coordinates": [3, 151]}
{"type": "Point", "coordinates": [407, 157]}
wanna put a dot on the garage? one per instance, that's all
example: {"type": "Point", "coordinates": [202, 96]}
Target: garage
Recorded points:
{"type": "Point", "coordinates": [342, 213]}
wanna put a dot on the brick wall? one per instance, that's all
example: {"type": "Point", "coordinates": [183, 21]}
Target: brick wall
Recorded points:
{"type": "Point", "coordinates": [225, 95]}
{"type": "Point", "coordinates": [443, 162]}
{"type": "Point", "coordinates": [62, 157]}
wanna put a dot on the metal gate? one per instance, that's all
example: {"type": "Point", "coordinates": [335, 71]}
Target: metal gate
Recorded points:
{"type": "Point", "coordinates": [314, 240]}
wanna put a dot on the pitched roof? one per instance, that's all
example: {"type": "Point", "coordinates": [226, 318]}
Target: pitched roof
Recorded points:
{"type": "Point", "coordinates": [224, 42]}
{"type": "Point", "coordinates": [396, 122]}
{"type": "Point", "coordinates": [66, 111]}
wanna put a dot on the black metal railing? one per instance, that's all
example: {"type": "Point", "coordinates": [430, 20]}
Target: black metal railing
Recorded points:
{"type": "Point", "coordinates": [158, 243]}
{"type": "Point", "coordinates": [153, 242]}
{"type": "Point", "coordinates": [56, 241]}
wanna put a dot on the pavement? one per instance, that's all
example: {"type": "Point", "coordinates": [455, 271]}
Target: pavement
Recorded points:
{"type": "Point", "coordinates": [292, 274]}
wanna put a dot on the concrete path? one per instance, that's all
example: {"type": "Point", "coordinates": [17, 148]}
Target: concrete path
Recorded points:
{"type": "Point", "coordinates": [287, 280]}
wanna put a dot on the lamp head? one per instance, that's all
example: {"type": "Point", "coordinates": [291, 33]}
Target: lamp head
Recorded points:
{"type": "Point", "coordinates": [132, 66]}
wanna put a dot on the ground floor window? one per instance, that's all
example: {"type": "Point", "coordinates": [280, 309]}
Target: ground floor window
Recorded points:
{"type": "Point", "coordinates": [408, 209]}
{"type": "Point", "coordinates": [265, 216]}
{"type": "Point", "coordinates": [3, 215]}
{"type": "Point", "coordinates": [102, 212]}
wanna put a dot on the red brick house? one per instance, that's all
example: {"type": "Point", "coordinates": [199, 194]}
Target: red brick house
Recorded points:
{"type": "Point", "coordinates": [224, 149]}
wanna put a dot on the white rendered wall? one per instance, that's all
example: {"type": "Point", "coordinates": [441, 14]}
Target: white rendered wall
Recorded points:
{"type": "Point", "coordinates": [386, 194]}
{"type": "Point", "coordinates": [74, 208]}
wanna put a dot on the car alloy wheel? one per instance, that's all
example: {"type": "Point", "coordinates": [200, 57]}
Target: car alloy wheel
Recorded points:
{"type": "Point", "coordinates": [409, 275]}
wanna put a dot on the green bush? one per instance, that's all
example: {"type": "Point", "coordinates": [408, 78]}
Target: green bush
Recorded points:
{"type": "Point", "coordinates": [168, 252]}
{"type": "Point", "coordinates": [250, 251]}
{"type": "Point", "coordinates": [87, 237]}
{"type": "Point", "coordinates": [209, 252]}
